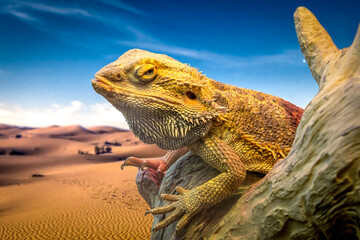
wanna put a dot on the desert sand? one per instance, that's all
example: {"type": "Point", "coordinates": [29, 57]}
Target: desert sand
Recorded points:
{"type": "Point", "coordinates": [54, 186]}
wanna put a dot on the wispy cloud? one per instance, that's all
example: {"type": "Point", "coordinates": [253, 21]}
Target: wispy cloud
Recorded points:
{"type": "Point", "coordinates": [30, 12]}
{"type": "Point", "coordinates": [133, 36]}
{"type": "Point", "coordinates": [20, 9]}
{"type": "Point", "coordinates": [56, 10]}
{"type": "Point", "coordinates": [21, 15]}
{"type": "Point", "coordinates": [72, 114]}
{"type": "Point", "coordinates": [145, 41]}
{"type": "Point", "coordinates": [288, 57]}
{"type": "Point", "coordinates": [123, 6]}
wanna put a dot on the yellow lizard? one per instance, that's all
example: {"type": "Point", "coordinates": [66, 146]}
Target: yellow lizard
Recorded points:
{"type": "Point", "coordinates": [176, 107]}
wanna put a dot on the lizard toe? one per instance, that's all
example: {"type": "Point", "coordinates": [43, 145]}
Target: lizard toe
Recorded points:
{"type": "Point", "coordinates": [170, 197]}
{"type": "Point", "coordinates": [132, 161]}
{"type": "Point", "coordinates": [182, 190]}
{"type": "Point", "coordinates": [169, 219]}
{"type": "Point", "coordinates": [164, 209]}
{"type": "Point", "coordinates": [183, 222]}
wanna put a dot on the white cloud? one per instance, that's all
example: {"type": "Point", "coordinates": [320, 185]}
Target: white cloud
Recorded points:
{"type": "Point", "coordinates": [74, 114]}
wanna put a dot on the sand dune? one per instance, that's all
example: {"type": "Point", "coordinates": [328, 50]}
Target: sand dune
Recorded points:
{"type": "Point", "coordinates": [10, 130]}
{"type": "Point", "coordinates": [106, 129]}
{"type": "Point", "coordinates": [76, 194]}
{"type": "Point", "coordinates": [57, 131]}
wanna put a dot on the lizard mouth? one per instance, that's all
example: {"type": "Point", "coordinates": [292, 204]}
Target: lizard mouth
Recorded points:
{"type": "Point", "coordinates": [100, 84]}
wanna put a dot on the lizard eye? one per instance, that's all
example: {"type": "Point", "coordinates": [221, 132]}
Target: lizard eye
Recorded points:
{"type": "Point", "coordinates": [145, 73]}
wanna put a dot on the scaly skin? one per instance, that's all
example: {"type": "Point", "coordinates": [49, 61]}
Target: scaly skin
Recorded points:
{"type": "Point", "coordinates": [176, 107]}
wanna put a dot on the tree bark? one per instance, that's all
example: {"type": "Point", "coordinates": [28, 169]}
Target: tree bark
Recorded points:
{"type": "Point", "coordinates": [315, 192]}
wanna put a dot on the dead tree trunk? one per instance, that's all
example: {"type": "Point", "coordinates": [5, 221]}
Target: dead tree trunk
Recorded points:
{"type": "Point", "coordinates": [315, 192]}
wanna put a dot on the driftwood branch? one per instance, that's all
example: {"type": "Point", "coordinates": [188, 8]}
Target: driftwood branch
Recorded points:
{"type": "Point", "coordinates": [315, 192]}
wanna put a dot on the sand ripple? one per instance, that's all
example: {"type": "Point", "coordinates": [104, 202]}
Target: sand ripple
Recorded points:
{"type": "Point", "coordinates": [82, 207]}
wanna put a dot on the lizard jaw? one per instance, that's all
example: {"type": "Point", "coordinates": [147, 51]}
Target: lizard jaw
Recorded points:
{"type": "Point", "coordinates": [102, 86]}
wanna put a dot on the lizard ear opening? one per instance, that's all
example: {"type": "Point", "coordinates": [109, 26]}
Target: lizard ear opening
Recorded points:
{"type": "Point", "coordinates": [191, 95]}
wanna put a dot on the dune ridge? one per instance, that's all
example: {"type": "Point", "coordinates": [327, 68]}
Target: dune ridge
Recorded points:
{"type": "Point", "coordinates": [75, 194]}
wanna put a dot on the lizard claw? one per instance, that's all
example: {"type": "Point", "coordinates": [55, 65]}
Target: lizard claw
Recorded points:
{"type": "Point", "coordinates": [123, 165]}
{"type": "Point", "coordinates": [142, 165]}
{"type": "Point", "coordinates": [154, 163]}
{"type": "Point", "coordinates": [147, 212]}
{"type": "Point", "coordinates": [133, 161]}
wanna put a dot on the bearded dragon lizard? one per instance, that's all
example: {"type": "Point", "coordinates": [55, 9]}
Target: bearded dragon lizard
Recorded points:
{"type": "Point", "coordinates": [175, 106]}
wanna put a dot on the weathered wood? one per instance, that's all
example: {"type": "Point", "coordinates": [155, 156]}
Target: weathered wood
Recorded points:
{"type": "Point", "coordinates": [315, 192]}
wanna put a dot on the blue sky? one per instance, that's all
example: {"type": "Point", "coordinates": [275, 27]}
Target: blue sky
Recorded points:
{"type": "Point", "coordinates": [50, 50]}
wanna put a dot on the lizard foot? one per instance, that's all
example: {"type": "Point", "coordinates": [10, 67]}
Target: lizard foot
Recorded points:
{"type": "Point", "coordinates": [183, 206]}
{"type": "Point", "coordinates": [154, 163]}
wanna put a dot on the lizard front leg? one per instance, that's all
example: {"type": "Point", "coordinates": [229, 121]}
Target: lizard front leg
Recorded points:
{"type": "Point", "coordinates": [218, 154]}
{"type": "Point", "coordinates": [160, 164]}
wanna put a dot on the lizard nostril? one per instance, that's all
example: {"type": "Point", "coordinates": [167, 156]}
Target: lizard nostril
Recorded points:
{"type": "Point", "coordinates": [118, 77]}
{"type": "Point", "coordinates": [115, 77]}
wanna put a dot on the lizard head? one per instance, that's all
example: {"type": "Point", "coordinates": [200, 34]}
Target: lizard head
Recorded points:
{"type": "Point", "coordinates": [163, 100]}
